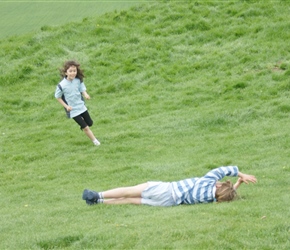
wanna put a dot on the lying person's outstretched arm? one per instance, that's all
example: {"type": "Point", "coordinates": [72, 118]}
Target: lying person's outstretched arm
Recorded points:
{"type": "Point", "coordinates": [246, 178]}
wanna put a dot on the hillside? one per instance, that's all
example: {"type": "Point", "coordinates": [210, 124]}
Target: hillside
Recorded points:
{"type": "Point", "coordinates": [177, 88]}
{"type": "Point", "coordinates": [22, 17]}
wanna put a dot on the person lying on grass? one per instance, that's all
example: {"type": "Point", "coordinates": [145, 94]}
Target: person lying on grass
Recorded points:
{"type": "Point", "coordinates": [189, 191]}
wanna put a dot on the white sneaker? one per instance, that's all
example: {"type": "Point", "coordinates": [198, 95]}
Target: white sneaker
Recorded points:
{"type": "Point", "coordinates": [96, 142]}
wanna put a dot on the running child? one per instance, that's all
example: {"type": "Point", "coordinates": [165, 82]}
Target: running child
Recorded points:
{"type": "Point", "coordinates": [72, 88]}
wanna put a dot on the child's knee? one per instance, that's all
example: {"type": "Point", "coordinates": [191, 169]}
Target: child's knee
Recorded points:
{"type": "Point", "coordinates": [90, 123]}
{"type": "Point", "coordinates": [86, 129]}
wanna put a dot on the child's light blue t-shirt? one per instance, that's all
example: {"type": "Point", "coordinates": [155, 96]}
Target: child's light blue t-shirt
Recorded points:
{"type": "Point", "coordinates": [72, 92]}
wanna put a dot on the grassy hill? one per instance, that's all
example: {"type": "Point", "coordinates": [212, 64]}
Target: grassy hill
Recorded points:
{"type": "Point", "coordinates": [22, 17]}
{"type": "Point", "coordinates": [177, 88]}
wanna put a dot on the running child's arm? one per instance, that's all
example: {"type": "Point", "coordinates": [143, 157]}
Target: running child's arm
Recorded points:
{"type": "Point", "coordinates": [67, 107]}
{"type": "Point", "coordinates": [86, 95]}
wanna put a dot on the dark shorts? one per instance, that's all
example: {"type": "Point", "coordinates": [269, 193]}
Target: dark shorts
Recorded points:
{"type": "Point", "coordinates": [84, 120]}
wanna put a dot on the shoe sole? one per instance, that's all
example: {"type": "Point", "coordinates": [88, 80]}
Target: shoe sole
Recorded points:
{"type": "Point", "coordinates": [85, 194]}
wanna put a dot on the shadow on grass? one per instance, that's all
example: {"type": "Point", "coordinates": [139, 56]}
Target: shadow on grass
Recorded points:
{"type": "Point", "coordinates": [60, 242]}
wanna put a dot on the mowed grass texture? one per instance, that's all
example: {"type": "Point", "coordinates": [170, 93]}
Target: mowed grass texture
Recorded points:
{"type": "Point", "coordinates": [177, 88]}
{"type": "Point", "coordinates": [22, 17]}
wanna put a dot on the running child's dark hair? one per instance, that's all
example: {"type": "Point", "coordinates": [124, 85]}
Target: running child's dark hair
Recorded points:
{"type": "Point", "coordinates": [67, 64]}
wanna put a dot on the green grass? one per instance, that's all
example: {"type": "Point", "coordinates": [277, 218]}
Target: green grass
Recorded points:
{"type": "Point", "coordinates": [177, 89]}
{"type": "Point", "coordinates": [21, 17]}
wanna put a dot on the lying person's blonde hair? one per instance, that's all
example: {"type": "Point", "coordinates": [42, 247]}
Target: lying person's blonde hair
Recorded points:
{"type": "Point", "coordinates": [225, 191]}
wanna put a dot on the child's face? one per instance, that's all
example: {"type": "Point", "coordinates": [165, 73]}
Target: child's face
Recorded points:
{"type": "Point", "coordinates": [71, 73]}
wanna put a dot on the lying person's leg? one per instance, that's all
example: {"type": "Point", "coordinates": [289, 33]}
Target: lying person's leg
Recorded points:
{"type": "Point", "coordinates": [136, 201]}
{"type": "Point", "coordinates": [93, 197]}
{"type": "Point", "coordinates": [124, 192]}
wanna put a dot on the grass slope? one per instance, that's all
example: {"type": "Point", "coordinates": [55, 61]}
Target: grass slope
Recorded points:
{"type": "Point", "coordinates": [177, 89]}
{"type": "Point", "coordinates": [21, 17]}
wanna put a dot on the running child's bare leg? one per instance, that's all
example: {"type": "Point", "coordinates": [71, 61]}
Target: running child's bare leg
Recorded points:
{"type": "Point", "coordinates": [90, 134]}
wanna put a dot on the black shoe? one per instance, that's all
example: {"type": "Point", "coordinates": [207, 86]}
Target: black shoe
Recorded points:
{"type": "Point", "coordinates": [91, 197]}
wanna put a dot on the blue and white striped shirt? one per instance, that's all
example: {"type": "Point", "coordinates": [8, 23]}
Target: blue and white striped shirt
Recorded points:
{"type": "Point", "coordinates": [201, 190]}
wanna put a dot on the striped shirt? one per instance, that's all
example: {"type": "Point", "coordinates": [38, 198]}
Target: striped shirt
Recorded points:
{"type": "Point", "coordinates": [201, 190]}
